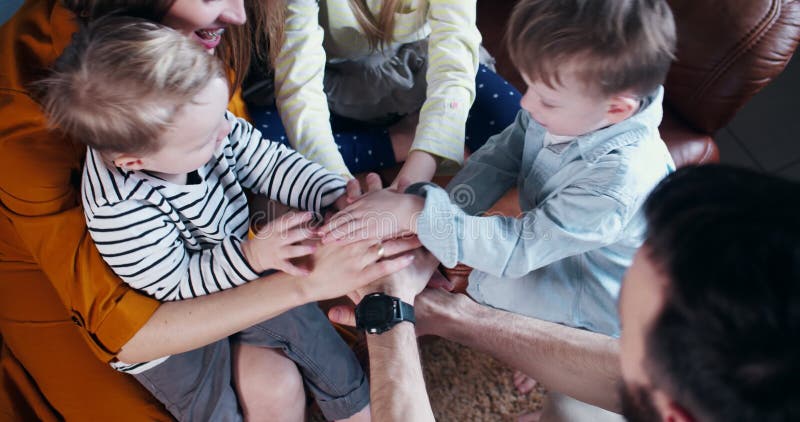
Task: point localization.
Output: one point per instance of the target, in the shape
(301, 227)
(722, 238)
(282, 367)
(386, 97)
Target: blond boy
(163, 193)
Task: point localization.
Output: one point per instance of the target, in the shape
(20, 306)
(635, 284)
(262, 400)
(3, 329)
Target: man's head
(587, 63)
(711, 306)
(140, 93)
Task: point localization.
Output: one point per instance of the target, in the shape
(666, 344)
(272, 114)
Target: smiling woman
(64, 315)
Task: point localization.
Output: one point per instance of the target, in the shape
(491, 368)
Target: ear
(128, 162)
(620, 107)
(670, 410)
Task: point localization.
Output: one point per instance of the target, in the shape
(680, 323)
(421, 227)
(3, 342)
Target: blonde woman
(363, 84)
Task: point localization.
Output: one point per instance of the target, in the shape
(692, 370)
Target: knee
(274, 389)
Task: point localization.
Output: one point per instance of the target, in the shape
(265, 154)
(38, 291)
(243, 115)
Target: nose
(528, 101)
(234, 12)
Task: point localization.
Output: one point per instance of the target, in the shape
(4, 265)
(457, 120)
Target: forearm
(578, 363)
(177, 327)
(397, 387)
(419, 167)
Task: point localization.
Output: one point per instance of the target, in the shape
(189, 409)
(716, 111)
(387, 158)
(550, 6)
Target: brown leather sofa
(728, 50)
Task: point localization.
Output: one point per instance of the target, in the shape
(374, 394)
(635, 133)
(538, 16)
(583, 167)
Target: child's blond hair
(118, 86)
(613, 46)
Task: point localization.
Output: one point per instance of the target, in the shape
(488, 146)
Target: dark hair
(614, 45)
(726, 346)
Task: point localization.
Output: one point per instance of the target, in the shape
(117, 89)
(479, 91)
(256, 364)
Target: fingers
(341, 226)
(403, 183)
(293, 219)
(353, 190)
(374, 182)
(439, 281)
(292, 269)
(293, 236)
(387, 266)
(395, 246)
(296, 251)
(342, 314)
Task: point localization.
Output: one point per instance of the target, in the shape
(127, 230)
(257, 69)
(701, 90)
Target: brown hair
(120, 83)
(264, 27)
(379, 29)
(613, 45)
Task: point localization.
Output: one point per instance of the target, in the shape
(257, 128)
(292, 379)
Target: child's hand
(378, 215)
(352, 194)
(275, 244)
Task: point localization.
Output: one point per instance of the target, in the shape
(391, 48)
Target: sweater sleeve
(280, 173)
(144, 247)
(453, 61)
(299, 94)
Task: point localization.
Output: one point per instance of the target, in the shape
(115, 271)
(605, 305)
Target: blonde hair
(379, 29)
(120, 83)
(614, 45)
(264, 27)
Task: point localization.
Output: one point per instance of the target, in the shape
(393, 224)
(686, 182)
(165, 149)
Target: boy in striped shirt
(163, 193)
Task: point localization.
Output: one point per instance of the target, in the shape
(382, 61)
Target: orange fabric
(63, 313)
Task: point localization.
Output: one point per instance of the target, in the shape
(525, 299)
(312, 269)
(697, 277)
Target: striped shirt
(452, 62)
(176, 242)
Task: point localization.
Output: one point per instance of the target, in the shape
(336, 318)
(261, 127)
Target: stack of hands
(371, 237)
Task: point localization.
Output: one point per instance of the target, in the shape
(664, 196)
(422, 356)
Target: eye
(547, 105)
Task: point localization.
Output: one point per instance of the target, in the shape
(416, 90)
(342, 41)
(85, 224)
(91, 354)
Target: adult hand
(378, 214)
(405, 284)
(341, 268)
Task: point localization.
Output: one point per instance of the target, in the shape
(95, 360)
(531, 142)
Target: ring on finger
(381, 250)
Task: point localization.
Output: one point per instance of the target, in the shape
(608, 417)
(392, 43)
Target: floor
(765, 134)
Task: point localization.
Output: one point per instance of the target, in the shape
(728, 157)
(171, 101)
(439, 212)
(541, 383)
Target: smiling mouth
(208, 35)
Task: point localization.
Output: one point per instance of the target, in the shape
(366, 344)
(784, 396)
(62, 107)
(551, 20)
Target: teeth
(210, 35)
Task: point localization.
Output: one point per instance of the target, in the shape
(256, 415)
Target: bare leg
(267, 384)
(362, 416)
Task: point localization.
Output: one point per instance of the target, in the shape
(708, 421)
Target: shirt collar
(596, 144)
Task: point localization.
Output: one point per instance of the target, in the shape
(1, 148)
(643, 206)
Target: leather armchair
(727, 51)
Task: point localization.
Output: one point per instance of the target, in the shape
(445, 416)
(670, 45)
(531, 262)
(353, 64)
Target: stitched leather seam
(745, 44)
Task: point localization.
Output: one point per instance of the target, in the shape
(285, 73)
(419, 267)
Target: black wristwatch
(378, 313)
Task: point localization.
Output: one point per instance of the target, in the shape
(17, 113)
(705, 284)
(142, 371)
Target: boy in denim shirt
(585, 151)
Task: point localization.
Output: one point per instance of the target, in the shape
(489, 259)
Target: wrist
(404, 294)
(251, 256)
(416, 205)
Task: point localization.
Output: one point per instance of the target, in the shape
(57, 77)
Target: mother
(63, 314)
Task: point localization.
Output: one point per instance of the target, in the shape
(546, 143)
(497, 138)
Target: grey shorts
(196, 385)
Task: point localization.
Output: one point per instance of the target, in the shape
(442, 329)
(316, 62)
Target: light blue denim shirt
(564, 257)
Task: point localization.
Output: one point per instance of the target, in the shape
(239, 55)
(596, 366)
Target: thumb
(403, 183)
(343, 314)
(438, 280)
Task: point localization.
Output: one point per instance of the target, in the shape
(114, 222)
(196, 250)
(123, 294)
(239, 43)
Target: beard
(637, 404)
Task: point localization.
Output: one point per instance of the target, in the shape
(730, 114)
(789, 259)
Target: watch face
(375, 311)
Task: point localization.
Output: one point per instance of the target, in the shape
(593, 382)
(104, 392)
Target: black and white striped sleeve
(281, 173)
(144, 247)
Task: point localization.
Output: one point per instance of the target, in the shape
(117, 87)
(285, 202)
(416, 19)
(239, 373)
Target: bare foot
(524, 383)
(530, 417)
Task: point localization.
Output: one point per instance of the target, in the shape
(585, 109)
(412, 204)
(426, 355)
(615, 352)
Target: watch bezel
(392, 313)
